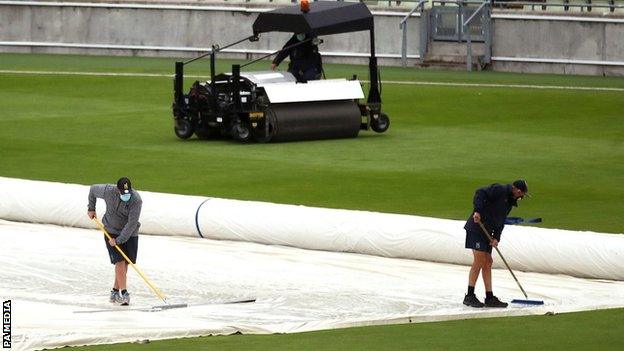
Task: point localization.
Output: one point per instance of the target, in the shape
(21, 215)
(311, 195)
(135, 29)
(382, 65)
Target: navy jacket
(494, 203)
(302, 57)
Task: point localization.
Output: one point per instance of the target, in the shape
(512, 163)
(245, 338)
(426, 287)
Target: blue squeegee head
(528, 302)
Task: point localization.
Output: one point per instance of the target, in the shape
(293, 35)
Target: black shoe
(494, 302)
(472, 301)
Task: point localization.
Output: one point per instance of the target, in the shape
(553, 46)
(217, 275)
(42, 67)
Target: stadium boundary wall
(558, 44)
(520, 43)
(176, 31)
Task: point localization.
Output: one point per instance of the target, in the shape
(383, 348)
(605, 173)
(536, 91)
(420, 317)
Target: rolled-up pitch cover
(529, 249)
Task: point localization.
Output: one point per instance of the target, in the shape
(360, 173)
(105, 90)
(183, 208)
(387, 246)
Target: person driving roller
(305, 59)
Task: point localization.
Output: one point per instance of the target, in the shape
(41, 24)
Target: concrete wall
(190, 27)
(589, 45)
(182, 31)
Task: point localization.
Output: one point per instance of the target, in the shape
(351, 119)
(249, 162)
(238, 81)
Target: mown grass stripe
(448, 84)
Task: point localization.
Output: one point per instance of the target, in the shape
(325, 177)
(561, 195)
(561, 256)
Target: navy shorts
(477, 241)
(130, 248)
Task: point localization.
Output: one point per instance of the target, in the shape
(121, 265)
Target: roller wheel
(381, 124)
(183, 128)
(241, 131)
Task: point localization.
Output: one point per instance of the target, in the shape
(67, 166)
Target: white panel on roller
(261, 78)
(319, 90)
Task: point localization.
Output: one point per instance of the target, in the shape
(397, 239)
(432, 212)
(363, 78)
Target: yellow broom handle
(156, 291)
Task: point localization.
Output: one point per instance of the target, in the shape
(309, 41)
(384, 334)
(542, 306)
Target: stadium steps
(452, 55)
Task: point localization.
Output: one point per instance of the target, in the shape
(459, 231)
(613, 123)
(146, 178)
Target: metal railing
(447, 21)
(545, 5)
(403, 27)
(468, 35)
(566, 5)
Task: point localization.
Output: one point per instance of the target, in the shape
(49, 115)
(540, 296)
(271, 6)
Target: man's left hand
(494, 243)
(112, 242)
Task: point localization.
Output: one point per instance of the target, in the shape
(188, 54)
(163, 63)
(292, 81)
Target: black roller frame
(178, 83)
(360, 21)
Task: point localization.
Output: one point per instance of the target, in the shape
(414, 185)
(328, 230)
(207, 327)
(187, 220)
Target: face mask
(125, 197)
(300, 37)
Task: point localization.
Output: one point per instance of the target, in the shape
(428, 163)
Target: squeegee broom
(526, 301)
(167, 305)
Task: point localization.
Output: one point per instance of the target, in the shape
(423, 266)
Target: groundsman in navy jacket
(492, 203)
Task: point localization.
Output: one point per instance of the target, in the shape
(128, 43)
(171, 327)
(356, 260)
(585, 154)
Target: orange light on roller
(305, 6)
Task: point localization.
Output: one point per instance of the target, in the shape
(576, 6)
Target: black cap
(522, 185)
(124, 185)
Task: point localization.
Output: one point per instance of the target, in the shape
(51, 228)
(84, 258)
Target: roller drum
(314, 120)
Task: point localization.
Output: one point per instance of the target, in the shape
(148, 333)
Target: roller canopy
(324, 18)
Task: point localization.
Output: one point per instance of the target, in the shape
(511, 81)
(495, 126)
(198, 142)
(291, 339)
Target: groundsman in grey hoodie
(121, 220)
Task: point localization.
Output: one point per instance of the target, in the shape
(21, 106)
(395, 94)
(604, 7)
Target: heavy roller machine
(273, 106)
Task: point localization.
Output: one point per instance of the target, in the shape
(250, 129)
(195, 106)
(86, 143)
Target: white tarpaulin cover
(56, 276)
(581, 254)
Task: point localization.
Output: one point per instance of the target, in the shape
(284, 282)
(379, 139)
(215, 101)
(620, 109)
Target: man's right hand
(273, 67)
(476, 217)
(91, 214)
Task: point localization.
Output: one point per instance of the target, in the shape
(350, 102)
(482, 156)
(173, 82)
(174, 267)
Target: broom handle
(156, 291)
(501, 256)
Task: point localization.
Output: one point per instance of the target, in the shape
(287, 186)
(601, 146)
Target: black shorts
(477, 241)
(130, 248)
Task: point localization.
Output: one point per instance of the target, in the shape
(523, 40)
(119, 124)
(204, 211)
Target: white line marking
(446, 84)
(103, 74)
(493, 85)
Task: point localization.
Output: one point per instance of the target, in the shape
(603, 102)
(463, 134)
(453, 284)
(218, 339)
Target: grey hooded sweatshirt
(121, 218)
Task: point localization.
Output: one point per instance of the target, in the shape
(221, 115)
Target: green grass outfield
(596, 330)
(443, 143)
